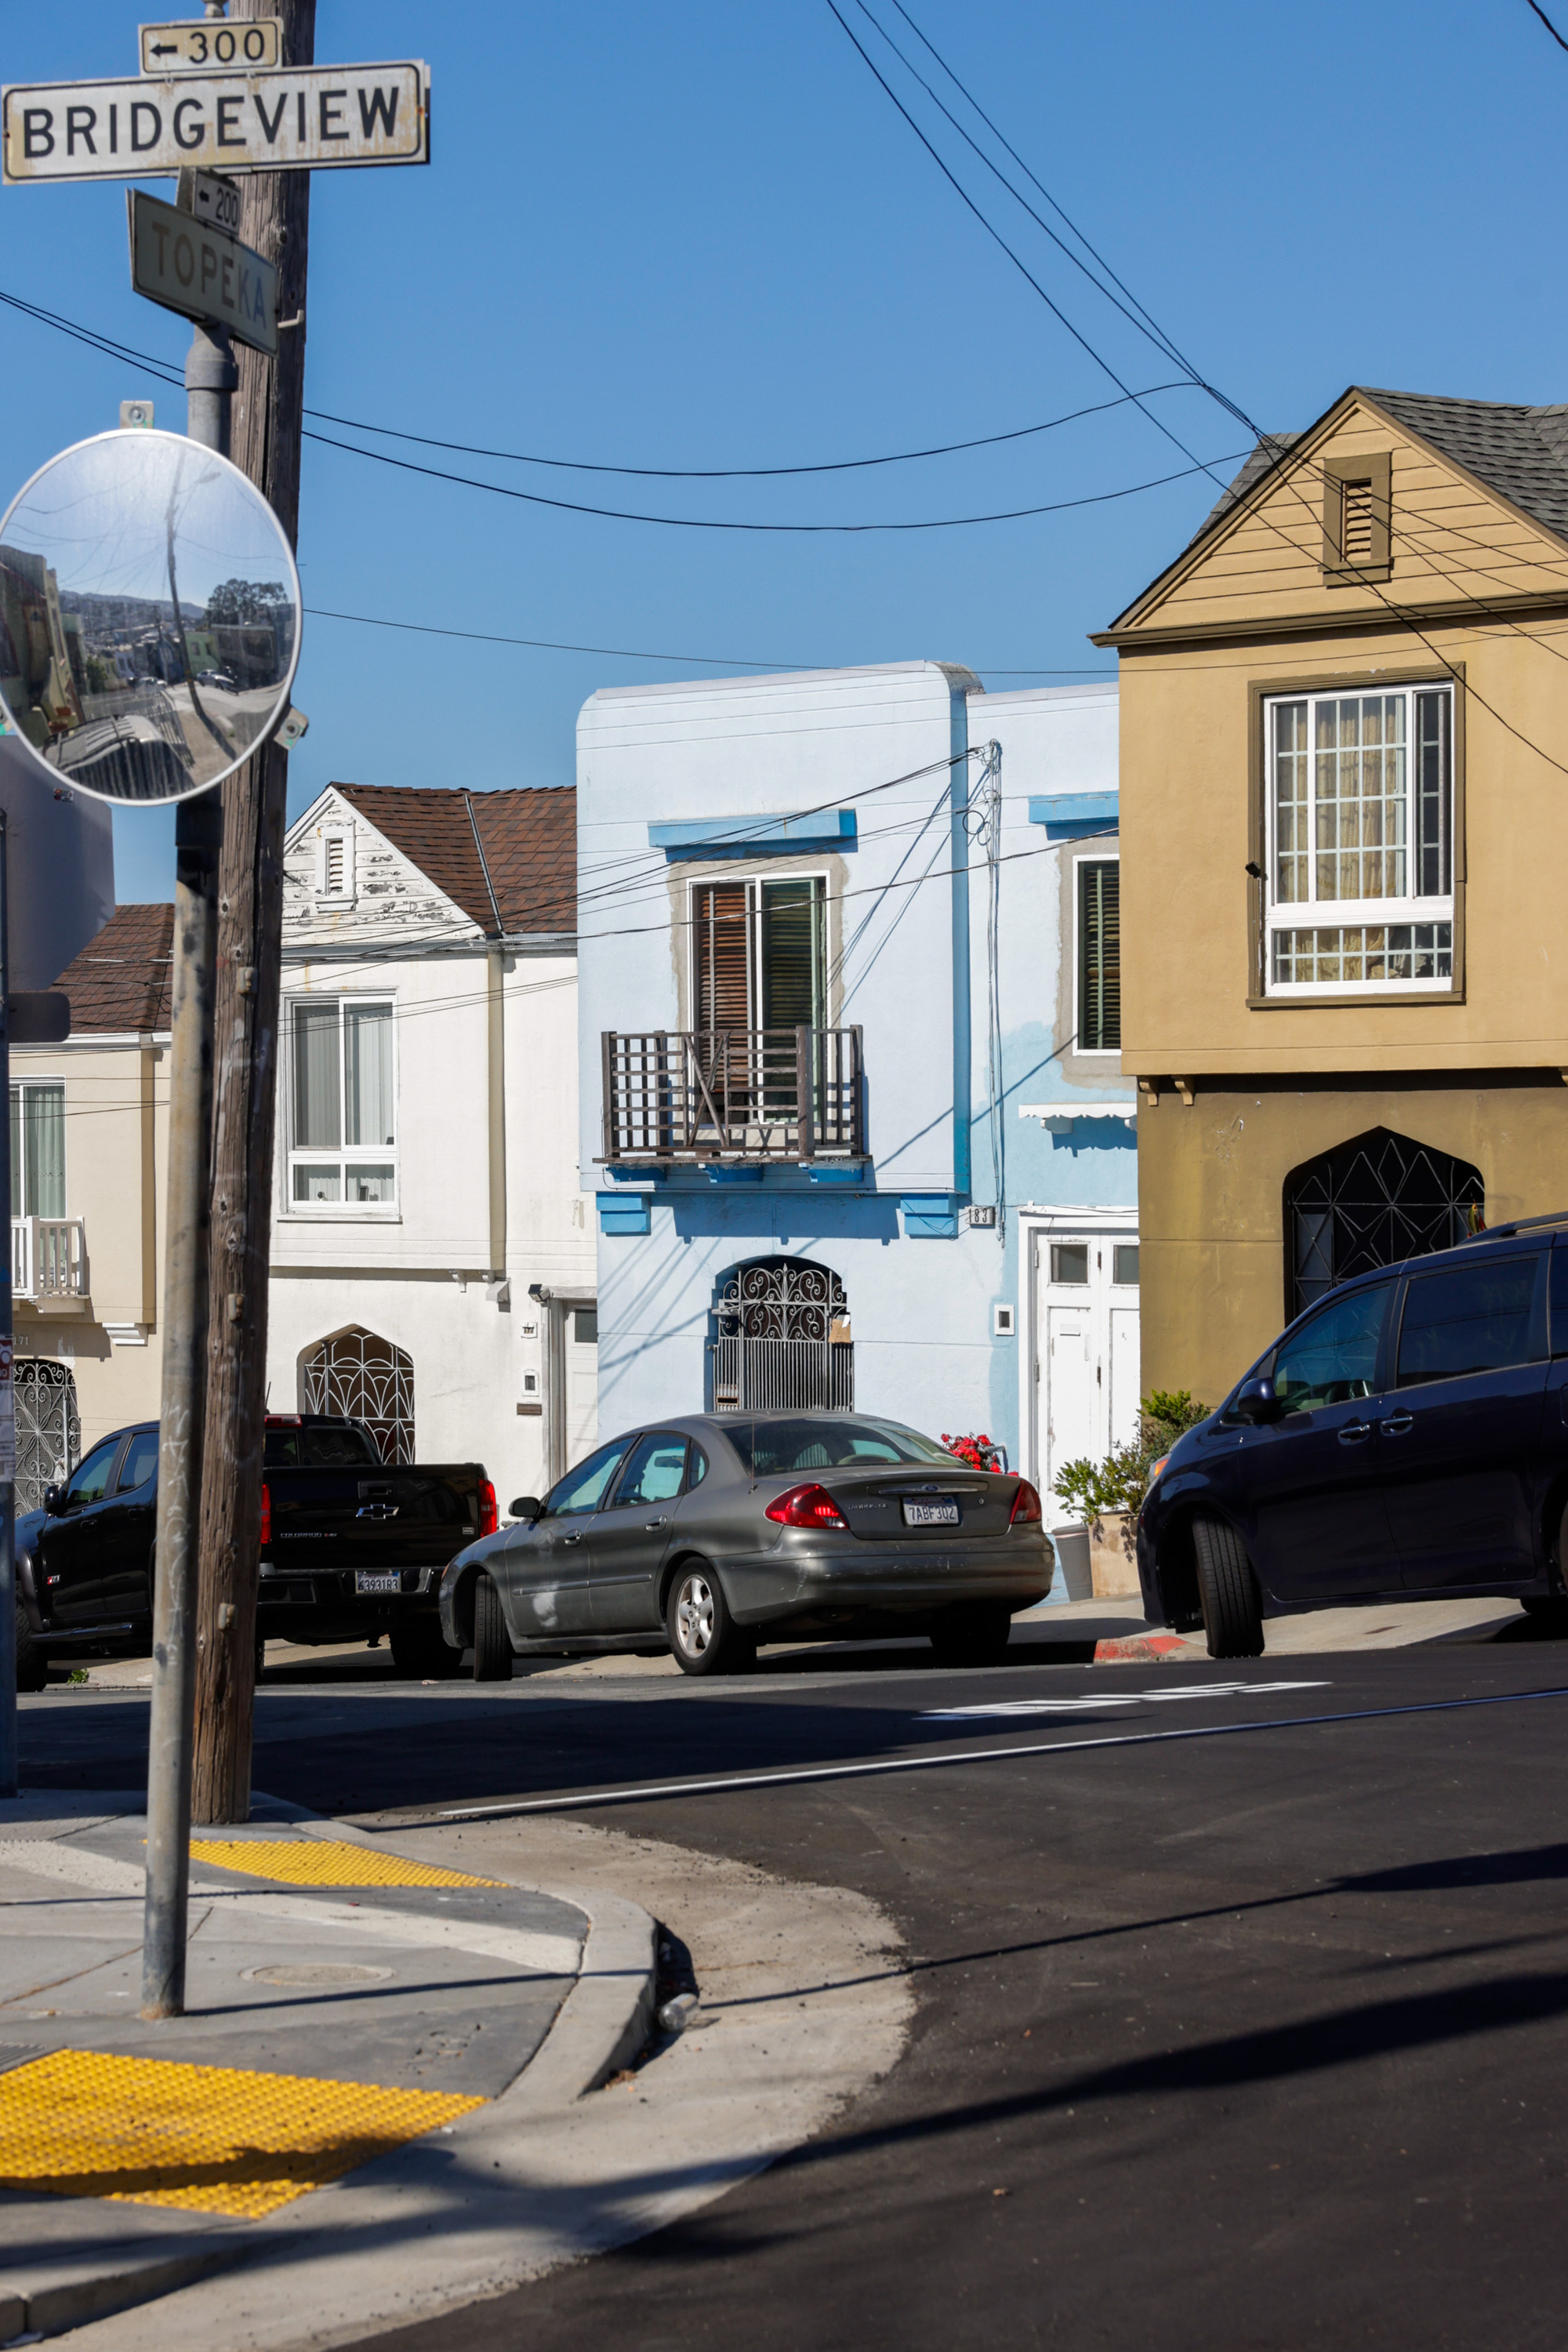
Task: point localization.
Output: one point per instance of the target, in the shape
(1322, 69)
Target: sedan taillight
(488, 1520)
(1026, 1511)
(265, 1512)
(806, 1507)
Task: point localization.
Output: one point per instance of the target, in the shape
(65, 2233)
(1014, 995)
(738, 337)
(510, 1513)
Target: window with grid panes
(1360, 890)
(342, 1124)
(1099, 955)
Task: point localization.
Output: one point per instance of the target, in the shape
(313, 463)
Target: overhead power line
(1548, 23)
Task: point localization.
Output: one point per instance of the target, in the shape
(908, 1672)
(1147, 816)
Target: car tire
(704, 1639)
(420, 1647)
(973, 1633)
(492, 1642)
(32, 1666)
(1227, 1591)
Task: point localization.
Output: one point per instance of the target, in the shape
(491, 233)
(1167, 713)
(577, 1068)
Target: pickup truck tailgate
(336, 1518)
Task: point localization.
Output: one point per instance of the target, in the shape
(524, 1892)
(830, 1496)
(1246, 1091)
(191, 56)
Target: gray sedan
(713, 1533)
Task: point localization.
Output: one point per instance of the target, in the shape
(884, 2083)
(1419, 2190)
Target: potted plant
(1109, 1495)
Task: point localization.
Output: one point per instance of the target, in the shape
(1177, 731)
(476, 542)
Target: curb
(602, 2022)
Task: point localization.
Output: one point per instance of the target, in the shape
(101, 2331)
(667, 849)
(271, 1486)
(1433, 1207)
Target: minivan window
(1469, 1319)
(1332, 1360)
(141, 1460)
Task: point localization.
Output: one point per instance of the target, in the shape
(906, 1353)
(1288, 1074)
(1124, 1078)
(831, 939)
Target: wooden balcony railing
(733, 1094)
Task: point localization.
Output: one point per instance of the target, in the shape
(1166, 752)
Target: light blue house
(852, 1099)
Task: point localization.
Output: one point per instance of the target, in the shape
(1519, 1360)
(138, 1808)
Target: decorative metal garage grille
(783, 1343)
(364, 1378)
(48, 1427)
(1370, 1203)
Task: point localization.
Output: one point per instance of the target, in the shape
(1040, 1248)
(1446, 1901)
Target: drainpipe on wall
(495, 1040)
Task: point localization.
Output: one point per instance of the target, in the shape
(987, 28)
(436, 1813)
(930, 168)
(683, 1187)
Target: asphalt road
(1243, 2003)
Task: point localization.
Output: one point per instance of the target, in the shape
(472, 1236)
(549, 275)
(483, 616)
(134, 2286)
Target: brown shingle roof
(528, 840)
(119, 982)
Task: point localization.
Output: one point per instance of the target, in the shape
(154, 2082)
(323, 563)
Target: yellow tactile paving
(148, 2131)
(321, 1861)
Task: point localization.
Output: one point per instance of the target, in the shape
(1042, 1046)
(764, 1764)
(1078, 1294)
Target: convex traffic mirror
(149, 617)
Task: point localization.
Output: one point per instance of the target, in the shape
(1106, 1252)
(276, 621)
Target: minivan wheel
(1227, 1591)
(492, 1642)
(703, 1636)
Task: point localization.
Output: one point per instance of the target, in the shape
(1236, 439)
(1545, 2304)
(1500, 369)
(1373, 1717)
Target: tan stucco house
(1344, 820)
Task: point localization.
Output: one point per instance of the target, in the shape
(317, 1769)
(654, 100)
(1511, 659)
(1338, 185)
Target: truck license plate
(367, 1579)
(943, 1514)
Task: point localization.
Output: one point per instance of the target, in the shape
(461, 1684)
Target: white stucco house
(433, 1255)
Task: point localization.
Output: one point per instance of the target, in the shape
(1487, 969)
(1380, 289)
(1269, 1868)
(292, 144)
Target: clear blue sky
(696, 234)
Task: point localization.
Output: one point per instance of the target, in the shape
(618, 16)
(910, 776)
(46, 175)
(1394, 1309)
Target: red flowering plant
(978, 1452)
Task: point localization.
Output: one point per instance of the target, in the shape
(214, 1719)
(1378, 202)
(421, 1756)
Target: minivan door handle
(1397, 1423)
(1354, 1432)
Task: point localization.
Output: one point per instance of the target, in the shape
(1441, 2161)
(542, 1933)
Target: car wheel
(703, 1636)
(32, 1666)
(420, 1647)
(975, 1634)
(1227, 1591)
(492, 1642)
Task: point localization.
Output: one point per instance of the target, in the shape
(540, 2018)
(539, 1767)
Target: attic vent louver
(1358, 523)
(335, 873)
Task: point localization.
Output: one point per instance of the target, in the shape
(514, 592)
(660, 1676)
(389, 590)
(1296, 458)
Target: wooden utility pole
(269, 410)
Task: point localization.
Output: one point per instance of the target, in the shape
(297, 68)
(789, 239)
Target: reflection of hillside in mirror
(147, 617)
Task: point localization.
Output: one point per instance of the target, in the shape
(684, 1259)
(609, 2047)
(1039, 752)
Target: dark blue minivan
(1406, 1437)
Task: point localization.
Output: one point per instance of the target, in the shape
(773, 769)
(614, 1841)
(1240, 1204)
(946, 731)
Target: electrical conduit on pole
(198, 840)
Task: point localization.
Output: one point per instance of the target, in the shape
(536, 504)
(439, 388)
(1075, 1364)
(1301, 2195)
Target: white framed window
(38, 1147)
(1097, 958)
(342, 1104)
(1360, 887)
(335, 862)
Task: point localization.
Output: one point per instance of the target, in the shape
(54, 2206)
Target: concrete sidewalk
(1119, 1631)
(353, 2010)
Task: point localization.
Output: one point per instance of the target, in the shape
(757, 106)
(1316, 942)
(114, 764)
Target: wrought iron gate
(1370, 1203)
(48, 1427)
(364, 1378)
(782, 1341)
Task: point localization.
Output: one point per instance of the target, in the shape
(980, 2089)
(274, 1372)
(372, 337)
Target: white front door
(1086, 1349)
(582, 1382)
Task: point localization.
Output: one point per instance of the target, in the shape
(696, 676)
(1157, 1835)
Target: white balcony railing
(49, 1257)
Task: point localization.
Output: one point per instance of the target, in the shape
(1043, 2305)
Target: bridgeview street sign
(212, 47)
(203, 272)
(311, 118)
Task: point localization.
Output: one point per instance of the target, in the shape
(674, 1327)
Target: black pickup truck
(349, 1547)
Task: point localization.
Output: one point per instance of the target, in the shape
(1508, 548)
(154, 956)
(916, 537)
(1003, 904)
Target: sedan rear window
(819, 1442)
(323, 1446)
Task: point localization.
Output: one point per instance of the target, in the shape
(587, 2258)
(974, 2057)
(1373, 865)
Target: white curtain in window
(46, 1125)
(318, 1118)
(39, 1151)
(368, 1040)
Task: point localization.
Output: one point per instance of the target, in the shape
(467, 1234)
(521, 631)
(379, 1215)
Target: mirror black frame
(526, 1506)
(1255, 1403)
(54, 1501)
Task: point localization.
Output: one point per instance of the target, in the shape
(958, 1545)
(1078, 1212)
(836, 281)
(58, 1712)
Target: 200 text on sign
(306, 120)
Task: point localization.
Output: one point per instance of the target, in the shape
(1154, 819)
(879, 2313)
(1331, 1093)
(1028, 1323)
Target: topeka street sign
(310, 119)
(201, 271)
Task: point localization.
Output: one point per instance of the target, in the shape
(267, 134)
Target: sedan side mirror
(526, 1506)
(54, 1500)
(1255, 1401)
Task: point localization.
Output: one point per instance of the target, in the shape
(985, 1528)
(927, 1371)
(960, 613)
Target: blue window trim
(755, 836)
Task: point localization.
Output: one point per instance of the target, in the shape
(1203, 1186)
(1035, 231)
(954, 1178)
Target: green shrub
(1120, 1482)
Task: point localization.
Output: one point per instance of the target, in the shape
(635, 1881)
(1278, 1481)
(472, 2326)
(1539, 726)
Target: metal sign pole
(7, 1394)
(210, 374)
